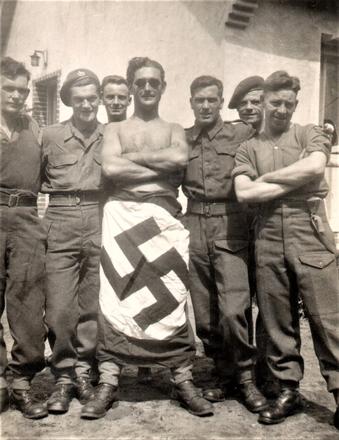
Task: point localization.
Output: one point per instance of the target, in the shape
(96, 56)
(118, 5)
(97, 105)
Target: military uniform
(23, 243)
(295, 252)
(218, 248)
(72, 167)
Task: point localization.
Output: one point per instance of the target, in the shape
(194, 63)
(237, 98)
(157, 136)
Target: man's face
(148, 86)
(116, 99)
(14, 93)
(85, 102)
(250, 108)
(279, 108)
(206, 104)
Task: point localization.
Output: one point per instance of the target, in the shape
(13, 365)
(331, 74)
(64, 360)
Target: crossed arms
(142, 166)
(275, 184)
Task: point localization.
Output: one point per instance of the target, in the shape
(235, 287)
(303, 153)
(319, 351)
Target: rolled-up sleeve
(244, 163)
(317, 141)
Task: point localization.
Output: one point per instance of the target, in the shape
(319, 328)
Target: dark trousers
(22, 254)
(72, 287)
(220, 291)
(297, 254)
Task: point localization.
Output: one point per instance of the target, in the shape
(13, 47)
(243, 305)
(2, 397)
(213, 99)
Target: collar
(210, 131)
(21, 122)
(72, 131)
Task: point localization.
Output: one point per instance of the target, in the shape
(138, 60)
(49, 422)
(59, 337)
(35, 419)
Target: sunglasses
(153, 82)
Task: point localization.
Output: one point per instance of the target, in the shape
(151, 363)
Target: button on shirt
(20, 157)
(211, 160)
(71, 161)
(261, 155)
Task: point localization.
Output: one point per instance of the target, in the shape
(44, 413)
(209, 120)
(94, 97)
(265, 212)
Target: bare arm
(300, 172)
(253, 191)
(166, 160)
(117, 167)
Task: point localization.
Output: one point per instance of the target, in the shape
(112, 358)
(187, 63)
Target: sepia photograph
(169, 220)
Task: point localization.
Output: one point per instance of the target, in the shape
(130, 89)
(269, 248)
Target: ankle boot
(22, 400)
(191, 399)
(104, 397)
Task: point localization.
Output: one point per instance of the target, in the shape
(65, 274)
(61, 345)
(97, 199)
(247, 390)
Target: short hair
(281, 80)
(113, 79)
(206, 81)
(137, 63)
(12, 68)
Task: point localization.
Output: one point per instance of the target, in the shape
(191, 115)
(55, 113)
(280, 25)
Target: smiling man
(115, 97)
(72, 158)
(282, 169)
(246, 99)
(143, 290)
(219, 244)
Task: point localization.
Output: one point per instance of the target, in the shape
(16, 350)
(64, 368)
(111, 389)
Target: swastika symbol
(145, 274)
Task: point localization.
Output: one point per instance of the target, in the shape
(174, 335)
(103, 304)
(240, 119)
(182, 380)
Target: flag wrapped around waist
(143, 286)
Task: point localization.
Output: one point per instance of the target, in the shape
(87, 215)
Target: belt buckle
(207, 210)
(77, 198)
(13, 200)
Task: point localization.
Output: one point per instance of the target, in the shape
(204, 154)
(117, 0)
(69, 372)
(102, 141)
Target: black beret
(82, 76)
(245, 86)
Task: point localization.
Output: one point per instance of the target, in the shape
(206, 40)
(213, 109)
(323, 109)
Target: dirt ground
(149, 412)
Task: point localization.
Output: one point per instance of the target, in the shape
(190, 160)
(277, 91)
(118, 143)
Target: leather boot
(285, 405)
(219, 391)
(104, 397)
(191, 399)
(251, 397)
(21, 400)
(60, 399)
(4, 400)
(84, 389)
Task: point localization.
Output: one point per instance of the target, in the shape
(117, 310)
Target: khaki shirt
(71, 162)
(260, 155)
(211, 160)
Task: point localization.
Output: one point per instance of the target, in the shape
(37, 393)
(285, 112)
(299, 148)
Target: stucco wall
(280, 37)
(104, 35)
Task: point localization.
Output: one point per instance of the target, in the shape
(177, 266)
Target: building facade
(229, 39)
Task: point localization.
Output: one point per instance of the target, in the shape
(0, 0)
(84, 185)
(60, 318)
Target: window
(46, 112)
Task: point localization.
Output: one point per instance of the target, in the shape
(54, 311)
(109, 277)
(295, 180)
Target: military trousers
(22, 254)
(295, 253)
(72, 287)
(219, 288)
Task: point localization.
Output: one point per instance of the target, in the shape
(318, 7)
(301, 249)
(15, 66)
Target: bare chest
(145, 137)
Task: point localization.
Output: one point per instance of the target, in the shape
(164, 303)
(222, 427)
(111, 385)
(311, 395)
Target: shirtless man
(144, 259)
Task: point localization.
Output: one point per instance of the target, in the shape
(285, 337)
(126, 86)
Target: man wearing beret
(282, 169)
(219, 244)
(247, 100)
(23, 242)
(72, 179)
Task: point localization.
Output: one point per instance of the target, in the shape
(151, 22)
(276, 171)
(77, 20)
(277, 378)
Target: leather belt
(74, 198)
(210, 209)
(13, 200)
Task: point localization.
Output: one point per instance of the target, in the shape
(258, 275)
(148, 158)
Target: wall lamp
(35, 58)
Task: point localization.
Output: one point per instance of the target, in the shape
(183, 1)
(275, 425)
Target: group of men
(113, 203)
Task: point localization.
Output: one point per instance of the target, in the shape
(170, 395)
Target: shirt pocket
(225, 159)
(61, 168)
